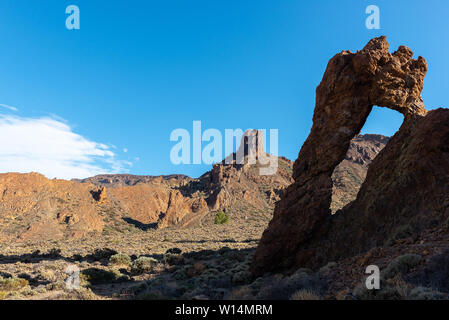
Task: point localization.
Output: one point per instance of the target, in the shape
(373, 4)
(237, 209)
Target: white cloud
(8, 107)
(49, 146)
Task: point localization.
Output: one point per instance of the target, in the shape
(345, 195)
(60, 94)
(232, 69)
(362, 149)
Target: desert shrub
(327, 268)
(423, 293)
(2, 295)
(99, 276)
(210, 273)
(12, 284)
(173, 259)
(143, 264)
(57, 285)
(392, 289)
(435, 274)
(180, 274)
(401, 232)
(54, 253)
(120, 259)
(79, 294)
(276, 288)
(198, 269)
(221, 218)
(401, 264)
(241, 293)
(241, 277)
(385, 292)
(237, 255)
(401, 286)
(105, 253)
(305, 295)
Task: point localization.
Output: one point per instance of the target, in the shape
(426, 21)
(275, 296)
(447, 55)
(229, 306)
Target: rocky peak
(251, 150)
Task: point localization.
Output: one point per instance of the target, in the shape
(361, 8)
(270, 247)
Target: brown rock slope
(34, 208)
(407, 182)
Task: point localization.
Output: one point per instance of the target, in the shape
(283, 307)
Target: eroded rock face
(352, 84)
(33, 207)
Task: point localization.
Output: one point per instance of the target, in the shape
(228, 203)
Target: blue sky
(136, 70)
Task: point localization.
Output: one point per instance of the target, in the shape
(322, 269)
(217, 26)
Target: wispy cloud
(49, 146)
(8, 107)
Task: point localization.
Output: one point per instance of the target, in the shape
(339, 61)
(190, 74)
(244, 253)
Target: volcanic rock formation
(408, 180)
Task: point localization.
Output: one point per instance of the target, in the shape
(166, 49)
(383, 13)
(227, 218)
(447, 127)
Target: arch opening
(349, 175)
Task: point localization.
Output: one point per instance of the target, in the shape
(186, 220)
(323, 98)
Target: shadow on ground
(140, 225)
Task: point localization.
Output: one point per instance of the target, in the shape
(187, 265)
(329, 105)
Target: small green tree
(221, 218)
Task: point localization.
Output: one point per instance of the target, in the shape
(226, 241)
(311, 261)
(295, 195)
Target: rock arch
(352, 84)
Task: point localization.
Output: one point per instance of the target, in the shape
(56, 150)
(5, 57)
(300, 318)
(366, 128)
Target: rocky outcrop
(237, 184)
(352, 84)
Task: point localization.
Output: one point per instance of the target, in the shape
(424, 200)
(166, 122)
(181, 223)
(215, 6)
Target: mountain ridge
(33, 207)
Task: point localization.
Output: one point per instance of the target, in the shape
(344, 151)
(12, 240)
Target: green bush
(221, 218)
(12, 284)
(401, 264)
(120, 259)
(99, 276)
(173, 259)
(143, 264)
